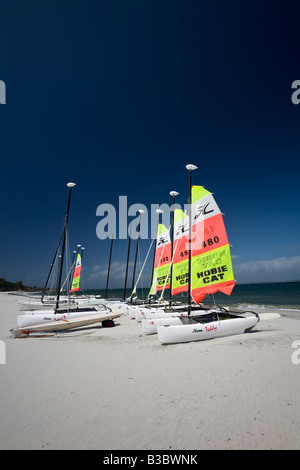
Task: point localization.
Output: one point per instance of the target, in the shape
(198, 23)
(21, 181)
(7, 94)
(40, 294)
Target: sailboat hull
(45, 317)
(64, 324)
(149, 326)
(169, 334)
(37, 305)
(159, 314)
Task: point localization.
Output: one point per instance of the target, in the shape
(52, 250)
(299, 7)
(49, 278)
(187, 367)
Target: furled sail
(162, 260)
(180, 275)
(76, 277)
(211, 260)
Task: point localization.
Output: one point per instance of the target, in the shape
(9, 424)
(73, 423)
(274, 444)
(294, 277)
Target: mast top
(70, 185)
(173, 193)
(191, 167)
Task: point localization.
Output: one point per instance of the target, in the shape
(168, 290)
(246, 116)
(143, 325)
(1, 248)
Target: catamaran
(170, 257)
(39, 317)
(204, 268)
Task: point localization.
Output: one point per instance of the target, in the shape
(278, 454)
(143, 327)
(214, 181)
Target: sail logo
(182, 229)
(2, 92)
(213, 274)
(2, 353)
(182, 278)
(162, 241)
(202, 210)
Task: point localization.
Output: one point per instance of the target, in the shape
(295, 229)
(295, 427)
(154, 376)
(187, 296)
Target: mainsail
(180, 273)
(162, 260)
(211, 260)
(76, 277)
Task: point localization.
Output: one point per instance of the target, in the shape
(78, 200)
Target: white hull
(149, 326)
(46, 317)
(154, 319)
(164, 312)
(34, 317)
(95, 301)
(63, 324)
(143, 313)
(37, 305)
(203, 331)
(136, 311)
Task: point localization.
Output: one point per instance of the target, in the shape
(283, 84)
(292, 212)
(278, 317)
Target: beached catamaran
(204, 269)
(62, 317)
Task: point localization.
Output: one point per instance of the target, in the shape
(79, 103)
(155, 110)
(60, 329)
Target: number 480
(209, 242)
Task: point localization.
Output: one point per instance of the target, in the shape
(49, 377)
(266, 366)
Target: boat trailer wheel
(108, 323)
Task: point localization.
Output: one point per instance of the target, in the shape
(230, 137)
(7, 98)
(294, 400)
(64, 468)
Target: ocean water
(275, 295)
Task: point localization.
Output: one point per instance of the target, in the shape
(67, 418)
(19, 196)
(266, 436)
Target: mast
(81, 271)
(109, 263)
(190, 168)
(136, 251)
(126, 274)
(70, 186)
(173, 194)
(52, 264)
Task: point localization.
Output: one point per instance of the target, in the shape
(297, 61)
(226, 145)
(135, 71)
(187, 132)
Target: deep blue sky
(119, 96)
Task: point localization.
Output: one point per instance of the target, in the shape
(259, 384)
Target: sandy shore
(118, 389)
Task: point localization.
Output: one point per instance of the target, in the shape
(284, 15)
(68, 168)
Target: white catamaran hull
(140, 314)
(149, 326)
(163, 312)
(63, 324)
(202, 331)
(37, 305)
(39, 316)
(155, 319)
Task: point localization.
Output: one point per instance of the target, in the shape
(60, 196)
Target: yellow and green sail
(162, 261)
(180, 272)
(211, 260)
(76, 277)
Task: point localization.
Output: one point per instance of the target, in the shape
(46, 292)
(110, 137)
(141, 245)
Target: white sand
(118, 389)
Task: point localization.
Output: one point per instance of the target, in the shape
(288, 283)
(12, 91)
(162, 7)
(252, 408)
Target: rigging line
(134, 289)
(67, 256)
(68, 275)
(162, 292)
(139, 263)
(142, 287)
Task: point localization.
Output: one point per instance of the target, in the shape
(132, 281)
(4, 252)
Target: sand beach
(118, 389)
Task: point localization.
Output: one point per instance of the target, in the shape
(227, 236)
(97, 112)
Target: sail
(162, 260)
(180, 275)
(211, 260)
(76, 277)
